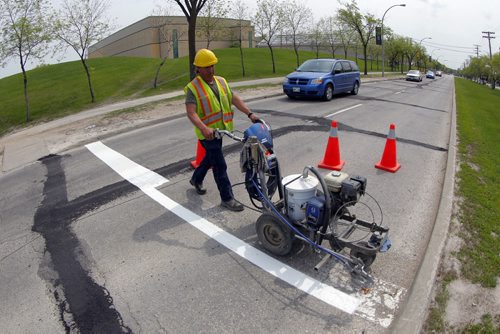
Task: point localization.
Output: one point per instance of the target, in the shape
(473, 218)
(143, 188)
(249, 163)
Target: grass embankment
(62, 89)
(479, 153)
(478, 127)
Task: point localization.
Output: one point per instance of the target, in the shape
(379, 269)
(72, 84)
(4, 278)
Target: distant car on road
(414, 75)
(439, 73)
(430, 75)
(323, 78)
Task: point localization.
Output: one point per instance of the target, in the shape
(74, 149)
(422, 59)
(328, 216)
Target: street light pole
(420, 43)
(420, 48)
(382, 36)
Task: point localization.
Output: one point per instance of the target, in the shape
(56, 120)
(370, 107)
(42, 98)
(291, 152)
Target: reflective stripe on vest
(202, 96)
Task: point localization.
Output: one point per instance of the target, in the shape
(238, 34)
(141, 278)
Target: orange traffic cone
(389, 161)
(332, 153)
(200, 154)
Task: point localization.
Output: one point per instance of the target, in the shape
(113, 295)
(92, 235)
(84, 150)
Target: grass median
(477, 192)
(478, 122)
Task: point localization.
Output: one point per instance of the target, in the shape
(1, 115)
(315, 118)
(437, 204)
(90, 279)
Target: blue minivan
(323, 78)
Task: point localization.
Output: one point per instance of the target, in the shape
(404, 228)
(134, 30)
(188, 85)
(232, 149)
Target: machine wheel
(367, 259)
(274, 235)
(290, 96)
(355, 89)
(328, 92)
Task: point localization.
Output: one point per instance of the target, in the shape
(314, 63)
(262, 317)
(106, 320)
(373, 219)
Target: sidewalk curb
(414, 312)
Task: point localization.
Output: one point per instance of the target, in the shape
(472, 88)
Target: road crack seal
(90, 305)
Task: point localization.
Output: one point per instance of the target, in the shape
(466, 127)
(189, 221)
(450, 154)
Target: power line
(444, 45)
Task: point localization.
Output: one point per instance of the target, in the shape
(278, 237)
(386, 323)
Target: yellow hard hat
(205, 58)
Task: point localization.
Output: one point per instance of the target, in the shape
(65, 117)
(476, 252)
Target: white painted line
(341, 111)
(126, 168)
(301, 281)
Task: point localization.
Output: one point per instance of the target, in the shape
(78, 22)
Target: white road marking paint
(324, 292)
(126, 168)
(343, 110)
(378, 305)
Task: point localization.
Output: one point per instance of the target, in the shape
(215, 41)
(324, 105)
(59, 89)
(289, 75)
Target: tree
(495, 64)
(167, 35)
(412, 51)
(345, 33)
(364, 25)
(191, 8)
(328, 29)
(316, 36)
(79, 24)
(211, 18)
(394, 50)
(268, 22)
(239, 12)
(25, 34)
(295, 17)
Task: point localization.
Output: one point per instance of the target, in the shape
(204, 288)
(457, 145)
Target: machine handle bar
(219, 133)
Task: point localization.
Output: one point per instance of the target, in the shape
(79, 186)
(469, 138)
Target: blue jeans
(215, 159)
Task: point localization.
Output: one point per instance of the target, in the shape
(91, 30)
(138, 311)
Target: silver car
(414, 75)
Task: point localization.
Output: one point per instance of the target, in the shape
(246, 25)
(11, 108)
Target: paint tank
(298, 191)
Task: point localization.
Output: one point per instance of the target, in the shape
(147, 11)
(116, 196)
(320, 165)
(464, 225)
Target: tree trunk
(295, 48)
(155, 84)
(26, 97)
(272, 58)
(88, 79)
(365, 55)
(242, 62)
(192, 43)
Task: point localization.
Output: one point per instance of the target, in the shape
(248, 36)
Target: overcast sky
(455, 26)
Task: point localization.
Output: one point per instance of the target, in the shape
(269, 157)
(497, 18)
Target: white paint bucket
(298, 193)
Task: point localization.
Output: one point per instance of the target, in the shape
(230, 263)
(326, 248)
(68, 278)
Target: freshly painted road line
(128, 169)
(303, 282)
(343, 110)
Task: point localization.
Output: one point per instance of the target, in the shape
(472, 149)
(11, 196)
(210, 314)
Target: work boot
(199, 187)
(232, 205)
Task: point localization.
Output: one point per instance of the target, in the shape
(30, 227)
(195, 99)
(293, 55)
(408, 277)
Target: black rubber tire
(355, 89)
(290, 96)
(367, 259)
(274, 235)
(328, 95)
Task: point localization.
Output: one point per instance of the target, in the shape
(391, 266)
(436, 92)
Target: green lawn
(62, 89)
(478, 120)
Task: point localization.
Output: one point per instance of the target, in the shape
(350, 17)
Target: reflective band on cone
(389, 160)
(332, 159)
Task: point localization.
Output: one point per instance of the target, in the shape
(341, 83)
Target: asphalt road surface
(111, 237)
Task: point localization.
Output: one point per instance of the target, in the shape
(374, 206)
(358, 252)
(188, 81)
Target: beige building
(160, 36)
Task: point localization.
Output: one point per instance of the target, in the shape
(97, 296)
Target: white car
(414, 75)
(439, 73)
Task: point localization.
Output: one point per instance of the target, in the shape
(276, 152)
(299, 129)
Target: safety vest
(214, 113)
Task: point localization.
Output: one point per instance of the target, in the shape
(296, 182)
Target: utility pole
(489, 37)
(476, 46)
